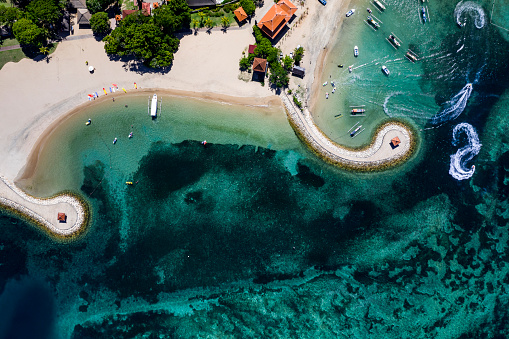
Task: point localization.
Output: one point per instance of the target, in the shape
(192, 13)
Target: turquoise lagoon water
(254, 237)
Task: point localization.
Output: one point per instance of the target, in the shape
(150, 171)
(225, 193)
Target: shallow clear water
(253, 236)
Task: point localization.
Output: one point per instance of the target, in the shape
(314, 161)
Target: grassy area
(17, 54)
(216, 19)
(8, 42)
(128, 5)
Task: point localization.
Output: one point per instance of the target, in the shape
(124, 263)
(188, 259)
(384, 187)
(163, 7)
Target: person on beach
(86, 63)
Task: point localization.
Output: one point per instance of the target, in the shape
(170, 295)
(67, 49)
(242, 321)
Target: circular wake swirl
(474, 9)
(454, 107)
(458, 169)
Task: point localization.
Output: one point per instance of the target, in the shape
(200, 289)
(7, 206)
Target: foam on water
(473, 9)
(458, 169)
(454, 107)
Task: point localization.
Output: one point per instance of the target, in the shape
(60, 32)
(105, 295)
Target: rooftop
(276, 18)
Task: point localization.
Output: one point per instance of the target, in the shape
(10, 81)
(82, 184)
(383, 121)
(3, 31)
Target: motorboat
(355, 131)
(128, 182)
(350, 12)
(327, 95)
(358, 111)
(323, 2)
(340, 66)
(369, 10)
(334, 90)
(114, 141)
(423, 10)
(393, 40)
(350, 69)
(373, 22)
(130, 135)
(385, 70)
(379, 4)
(411, 56)
(88, 122)
(153, 106)
(356, 51)
(461, 24)
(325, 83)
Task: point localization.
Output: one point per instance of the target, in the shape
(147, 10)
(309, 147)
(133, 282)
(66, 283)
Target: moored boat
(423, 10)
(369, 10)
(358, 111)
(394, 41)
(350, 69)
(130, 135)
(114, 141)
(356, 51)
(153, 106)
(373, 22)
(88, 122)
(385, 70)
(379, 4)
(355, 131)
(327, 95)
(350, 12)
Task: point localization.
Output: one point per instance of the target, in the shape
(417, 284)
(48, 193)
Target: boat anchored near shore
(356, 51)
(386, 70)
(154, 106)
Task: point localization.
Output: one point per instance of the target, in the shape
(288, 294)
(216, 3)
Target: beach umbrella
(124, 90)
(90, 68)
(135, 86)
(114, 85)
(91, 95)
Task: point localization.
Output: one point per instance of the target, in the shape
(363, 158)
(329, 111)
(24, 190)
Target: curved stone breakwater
(45, 211)
(377, 156)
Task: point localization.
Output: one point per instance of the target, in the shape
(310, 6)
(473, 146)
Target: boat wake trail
(407, 104)
(473, 8)
(458, 169)
(454, 107)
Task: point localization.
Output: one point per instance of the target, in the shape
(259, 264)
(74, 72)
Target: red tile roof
(251, 49)
(260, 65)
(276, 18)
(240, 14)
(62, 217)
(395, 141)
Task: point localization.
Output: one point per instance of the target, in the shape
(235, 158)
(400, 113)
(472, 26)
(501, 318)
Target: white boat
(334, 90)
(350, 12)
(114, 141)
(356, 51)
(379, 4)
(385, 70)
(325, 83)
(327, 95)
(130, 135)
(350, 69)
(355, 131)
(88, 122)
(153, 106)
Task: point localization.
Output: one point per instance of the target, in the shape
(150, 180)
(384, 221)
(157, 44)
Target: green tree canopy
(288, 63)
(28, 33)
(278, 75)
(44, 12)
(244, 63)
(298, 53)
(95, 6)
(173, 17)
(137, 35)
(248, 6)
(8, 15)
(100, 23)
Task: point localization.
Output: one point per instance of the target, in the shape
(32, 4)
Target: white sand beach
(36, 94)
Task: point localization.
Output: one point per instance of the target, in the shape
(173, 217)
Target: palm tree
(44, 50)
(225, 21)
(196, 23)
(202, 16)
(209, 23)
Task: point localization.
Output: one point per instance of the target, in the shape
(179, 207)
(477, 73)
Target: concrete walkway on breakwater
(380, 153)
(44, 211)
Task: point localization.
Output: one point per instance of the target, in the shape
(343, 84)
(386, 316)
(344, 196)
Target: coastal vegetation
(100, 23)
(150, 39)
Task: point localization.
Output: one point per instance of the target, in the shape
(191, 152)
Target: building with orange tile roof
(276, 18)
(260, 65)
(240, 14)
(395, 141)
